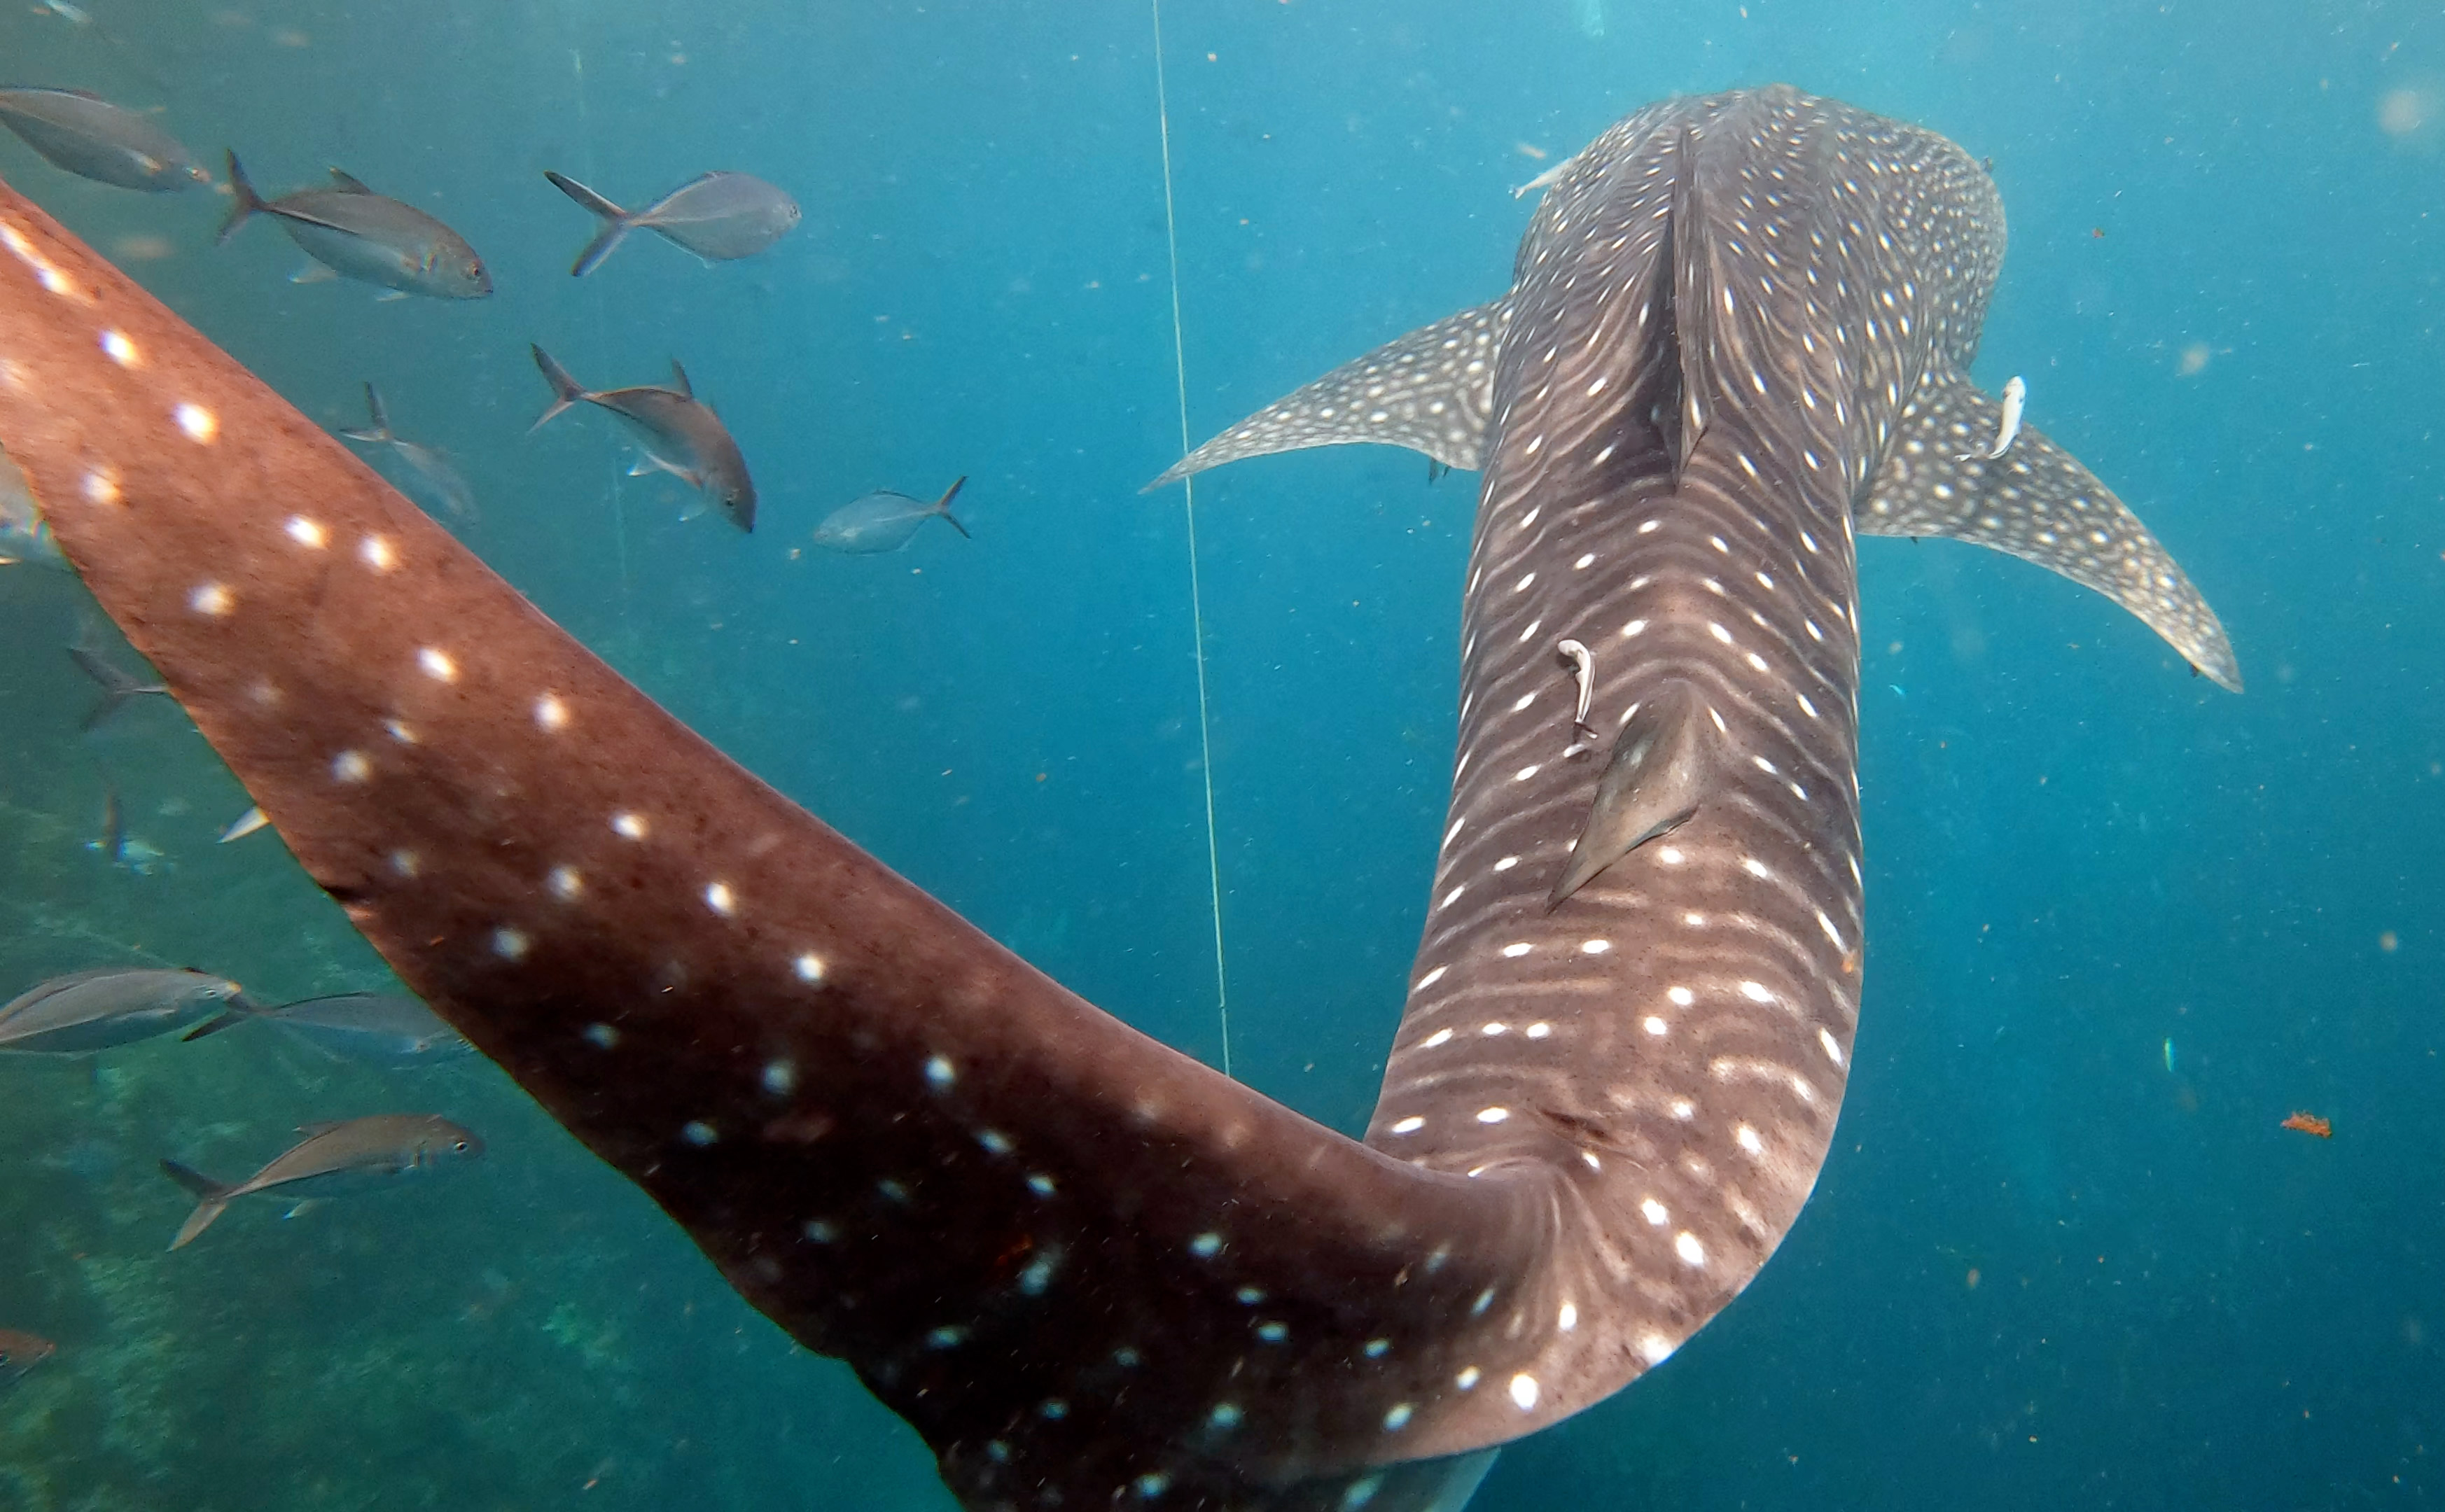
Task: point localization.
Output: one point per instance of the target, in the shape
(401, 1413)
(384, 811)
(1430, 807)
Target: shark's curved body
(1089, 1270)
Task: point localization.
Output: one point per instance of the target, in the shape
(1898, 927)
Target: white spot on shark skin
(808, 968)
(994, 1141)
(1431, 978)
(1398, 1418)
(719, 898)
(1654, 1349)
(1655, 1026)
(437, 666)
(1361, 1491)
(939, 1072)
(1568, 1319)
(510, 945)
(1595, 947)
(1747, 1139)
(1755, 991)
(566, 883)
(198, 424)
(400, 731)
(700, 1134)
(1670, 855)
(1225, 1415)
(1492, 1115)
(1524, 1391)
(602, 1036)
(1494, 1028)
(820, 1231)
(1040, 1185)
(1540, 1031)
(628, 826)
(781, 1077)
(101, 486)
(1518, 949)
(376, 552)
(1506, 863)
(351, 766)
(1273, 1331)
(1410, 1125)
(1686, 1245)
(1440, 1037)
(116, 346)
(211, 600)
(307, 533)
(1466, 1380)
(1206, 1245)
(403, 863)
(1833, 1050)
(551, 714)
(1681, 996)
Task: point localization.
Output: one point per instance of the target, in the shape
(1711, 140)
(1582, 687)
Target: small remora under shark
(1088, 1269)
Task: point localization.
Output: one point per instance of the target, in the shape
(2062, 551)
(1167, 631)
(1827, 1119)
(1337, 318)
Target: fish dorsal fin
(2040, 504)
(347, 183)
(1662, 768)
(678, 381)
(1430, 391)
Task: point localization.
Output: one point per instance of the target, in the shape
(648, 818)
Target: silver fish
(432, 476)
(24, 534)
(373, 238)
(119, 686)
(87, 1011)
(376, 1028)
(884, 521)
(676, 433)
(720, 216)
(333, 1158)
(93, 138)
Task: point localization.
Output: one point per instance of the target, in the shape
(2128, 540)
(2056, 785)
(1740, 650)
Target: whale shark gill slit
(1088, 1269)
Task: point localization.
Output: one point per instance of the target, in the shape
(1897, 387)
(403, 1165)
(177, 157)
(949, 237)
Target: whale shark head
(1086, 1268)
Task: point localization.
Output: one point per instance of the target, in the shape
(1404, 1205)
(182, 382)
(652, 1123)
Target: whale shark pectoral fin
(1661, 769)
(2037, 502)
(1430, 391)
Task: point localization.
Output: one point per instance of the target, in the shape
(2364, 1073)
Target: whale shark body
(1088, 1269)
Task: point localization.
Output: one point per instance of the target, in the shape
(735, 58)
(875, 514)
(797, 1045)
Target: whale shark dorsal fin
(1662, 768)
(1430, 391)
(2037, 502)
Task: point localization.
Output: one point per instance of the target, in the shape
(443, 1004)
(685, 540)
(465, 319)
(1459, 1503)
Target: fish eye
(460, 1146)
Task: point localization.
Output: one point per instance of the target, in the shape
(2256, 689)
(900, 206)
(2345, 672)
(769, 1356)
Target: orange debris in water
(2310, 1124)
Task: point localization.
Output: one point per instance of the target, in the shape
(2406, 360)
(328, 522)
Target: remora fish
(20, 1352)
(434, 474)
(1077, 1262)
(333, 1158)
(673, 434)
(373, 238)
(102, 1010)
(90, 136)
(381, 1029)
(720, 216)
(884, 521)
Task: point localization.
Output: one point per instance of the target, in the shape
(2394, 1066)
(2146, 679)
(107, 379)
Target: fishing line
(594, 305)
(1196, 601)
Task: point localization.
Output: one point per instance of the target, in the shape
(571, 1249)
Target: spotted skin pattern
(1089, 1270)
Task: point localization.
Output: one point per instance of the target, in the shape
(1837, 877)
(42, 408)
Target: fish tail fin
(943, 507)
(212, 1199)
(380, 429)
(116, 687)
(565, 389)
(615, 221)
(247, 203)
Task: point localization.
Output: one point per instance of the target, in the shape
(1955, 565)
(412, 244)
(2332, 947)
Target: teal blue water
(2122, 923)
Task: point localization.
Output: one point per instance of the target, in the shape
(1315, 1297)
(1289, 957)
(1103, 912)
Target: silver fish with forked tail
(93, 138)
(720, 216)
(333, 1158)
(884, 521)
(675, 433)
(435, 480)
(375, 1028)
(87, 1011)
(356, 234)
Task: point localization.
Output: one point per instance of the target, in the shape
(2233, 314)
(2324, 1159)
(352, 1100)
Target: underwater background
(2122, 923)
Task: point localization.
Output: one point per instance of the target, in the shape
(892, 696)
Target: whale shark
(1090, 1270)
